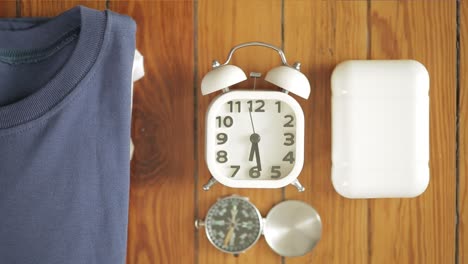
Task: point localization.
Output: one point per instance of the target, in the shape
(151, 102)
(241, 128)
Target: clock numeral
(278, 103)
(259, 108)
(233, 105)
(289, 140)
(290, 122)
(254, 172)
(222, 138)
(275, 172)
(221, 156)
(236, 169)
(289, 157)
(227, 121)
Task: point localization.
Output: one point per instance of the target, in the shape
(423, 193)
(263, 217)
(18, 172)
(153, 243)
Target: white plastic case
(380, 128)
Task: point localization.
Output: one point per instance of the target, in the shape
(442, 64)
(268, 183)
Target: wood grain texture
(463, 136)
(168, 169)
(321, 34)
(420, 230)
(161, 214)
(7, 8)
(222, 25)
(30, 8)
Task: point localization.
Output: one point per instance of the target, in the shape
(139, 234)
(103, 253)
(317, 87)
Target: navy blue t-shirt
(65, 96)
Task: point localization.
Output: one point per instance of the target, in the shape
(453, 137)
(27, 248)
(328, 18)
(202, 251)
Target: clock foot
(298, 185)
(210, 183)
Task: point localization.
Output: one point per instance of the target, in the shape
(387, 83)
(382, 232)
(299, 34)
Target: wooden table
(180, 38)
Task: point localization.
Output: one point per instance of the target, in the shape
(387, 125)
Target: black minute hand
(254, 138)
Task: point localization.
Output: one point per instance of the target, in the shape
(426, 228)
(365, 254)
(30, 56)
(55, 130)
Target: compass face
(233, 225)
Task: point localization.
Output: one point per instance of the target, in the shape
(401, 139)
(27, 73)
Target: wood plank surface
(420, 230)
(462, 249)
(321, 34)
(161, 214)
(222, 25)
(8, 8)
(48, 8)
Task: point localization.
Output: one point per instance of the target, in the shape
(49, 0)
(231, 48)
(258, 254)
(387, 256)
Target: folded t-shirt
(65, 107)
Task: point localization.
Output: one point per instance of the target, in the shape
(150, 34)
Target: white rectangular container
(380, 128)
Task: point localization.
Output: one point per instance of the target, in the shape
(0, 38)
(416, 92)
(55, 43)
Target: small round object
(255, 138)
(292, 228)
(233, 224)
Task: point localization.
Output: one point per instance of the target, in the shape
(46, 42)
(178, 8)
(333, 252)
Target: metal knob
(209, 184)
(199, 223)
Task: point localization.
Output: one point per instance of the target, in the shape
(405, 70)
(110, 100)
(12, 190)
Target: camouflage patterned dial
(233, 224)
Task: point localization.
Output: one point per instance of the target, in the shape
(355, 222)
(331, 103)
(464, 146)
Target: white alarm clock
(255, 138)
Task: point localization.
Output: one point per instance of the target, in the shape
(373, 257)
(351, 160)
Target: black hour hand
(252, 152)
(257, 155)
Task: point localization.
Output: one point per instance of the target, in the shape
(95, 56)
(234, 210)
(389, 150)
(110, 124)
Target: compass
(233, 225)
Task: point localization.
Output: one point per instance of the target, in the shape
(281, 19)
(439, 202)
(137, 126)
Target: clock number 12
(260, 106)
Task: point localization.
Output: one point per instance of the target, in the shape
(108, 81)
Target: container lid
(292, 228)
(380, 129)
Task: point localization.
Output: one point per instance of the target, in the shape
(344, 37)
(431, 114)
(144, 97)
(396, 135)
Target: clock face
(254, 136)
(233, 224)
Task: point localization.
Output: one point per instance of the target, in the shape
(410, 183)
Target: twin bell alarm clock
(255, 138)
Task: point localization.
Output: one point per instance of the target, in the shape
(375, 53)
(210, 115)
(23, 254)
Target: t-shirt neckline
(92, 24)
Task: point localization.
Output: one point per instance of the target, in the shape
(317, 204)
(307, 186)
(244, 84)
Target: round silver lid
(292, 228)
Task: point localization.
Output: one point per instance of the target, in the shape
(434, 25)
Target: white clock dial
(257, 144)
(255, 136)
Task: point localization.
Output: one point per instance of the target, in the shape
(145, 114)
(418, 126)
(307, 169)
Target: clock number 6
(254, 172)
(221, 156)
